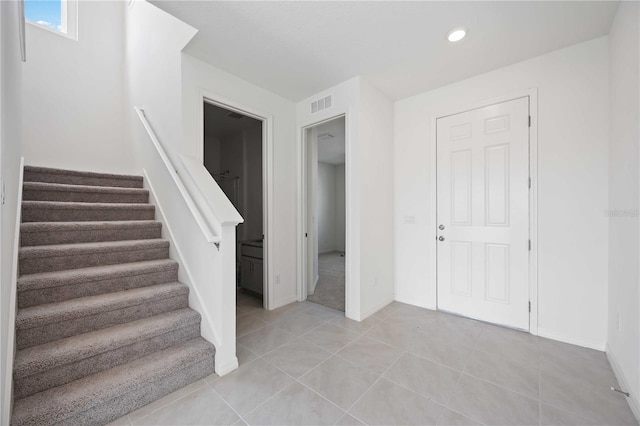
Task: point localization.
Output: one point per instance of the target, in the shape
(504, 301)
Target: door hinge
(529, 245)
(529, 306)
(306, 235)
(529, 121)
(529, 182)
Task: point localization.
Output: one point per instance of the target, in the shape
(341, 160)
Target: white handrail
(202, 223)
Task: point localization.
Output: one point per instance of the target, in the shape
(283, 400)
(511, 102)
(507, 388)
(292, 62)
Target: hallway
(330, 289)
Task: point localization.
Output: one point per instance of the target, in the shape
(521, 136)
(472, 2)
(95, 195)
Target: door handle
(441, 227)
(441, 238)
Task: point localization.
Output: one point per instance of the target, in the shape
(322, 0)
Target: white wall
(369, 212)
(73, 94)
(572, 185)
(341, 214)
(326, 216)
(10, 153)
(624, 187)
(252, 183)
(199, 78)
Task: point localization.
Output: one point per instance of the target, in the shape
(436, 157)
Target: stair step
(110, 394)
(46, 323)
(59, 211)
(51, 287)
(73, 256)
(48, 233)
(74, 177)
(44, 191)
(42, 367)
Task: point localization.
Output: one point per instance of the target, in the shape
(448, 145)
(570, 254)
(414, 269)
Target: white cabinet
(251, 269)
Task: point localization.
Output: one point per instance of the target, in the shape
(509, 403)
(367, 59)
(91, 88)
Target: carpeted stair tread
(48, 233)
(107, 395)
(58, 286)
(37, 316)
(95, 273)
(37, 359)
(75, 177)
(45, 191)
(59, 257)
(61, 211)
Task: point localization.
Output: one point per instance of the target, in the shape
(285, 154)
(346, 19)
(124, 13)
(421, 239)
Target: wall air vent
(321, 104)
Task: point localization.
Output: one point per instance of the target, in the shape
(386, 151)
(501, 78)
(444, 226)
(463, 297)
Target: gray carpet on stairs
(103, 326)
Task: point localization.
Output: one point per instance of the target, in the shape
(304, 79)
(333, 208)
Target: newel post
(226, 360)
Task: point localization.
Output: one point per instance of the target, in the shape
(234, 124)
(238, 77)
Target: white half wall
(573, 135)
(73, 94)
(624, 190)
(10, 153)
(341, 214)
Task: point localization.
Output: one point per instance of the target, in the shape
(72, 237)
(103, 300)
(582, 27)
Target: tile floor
(305, 364)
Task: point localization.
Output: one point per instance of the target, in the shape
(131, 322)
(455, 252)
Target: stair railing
(209, 273)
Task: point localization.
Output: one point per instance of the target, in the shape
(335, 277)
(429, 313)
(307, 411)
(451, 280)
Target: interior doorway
(234, 156)
(325, 213)
(483, 213)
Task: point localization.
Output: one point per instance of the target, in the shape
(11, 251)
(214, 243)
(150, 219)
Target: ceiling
(299, 48)
(331, 150)
(218, 124)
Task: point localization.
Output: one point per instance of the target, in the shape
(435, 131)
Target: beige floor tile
(451, 418)
(248, 387)
(389, 404)
(493, 405)
(330, 337)
(203, 406)
(425, 377)
(356, 326)
(339, 380)
(297, 323)
(371, 354)
(552, 416)
(295, 405)
(166, 400)
(248, 323)
(581, 393)
(438, 345)
(349, 420)
(504, 372)
(516, 346)
(244, 355)
(297, 357)
(265, 339)
(394, 334)
(211, 378)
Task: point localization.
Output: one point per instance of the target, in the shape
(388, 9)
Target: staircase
(103, 326)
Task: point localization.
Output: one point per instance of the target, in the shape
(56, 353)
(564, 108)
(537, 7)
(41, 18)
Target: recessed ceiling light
(456, 34)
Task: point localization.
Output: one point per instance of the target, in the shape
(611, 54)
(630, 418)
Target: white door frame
(303, 205)
(533, 194)
(267, 172)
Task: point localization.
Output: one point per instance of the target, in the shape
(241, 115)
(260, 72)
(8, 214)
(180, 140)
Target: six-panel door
(483, 213)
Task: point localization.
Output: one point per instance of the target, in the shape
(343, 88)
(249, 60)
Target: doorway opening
(234, 156)
(325, 213)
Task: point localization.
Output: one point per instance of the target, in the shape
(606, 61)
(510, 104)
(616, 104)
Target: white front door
(483, 213)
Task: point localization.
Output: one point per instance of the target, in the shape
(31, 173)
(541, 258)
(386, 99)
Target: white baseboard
(284, 302)
(585, 343)
(413, 303)
(226, 368)
(624, 384)
(365, 315)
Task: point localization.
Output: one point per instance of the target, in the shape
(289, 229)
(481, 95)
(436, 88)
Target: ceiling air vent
(321, 104)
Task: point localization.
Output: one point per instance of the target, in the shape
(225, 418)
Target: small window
(59, 16)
